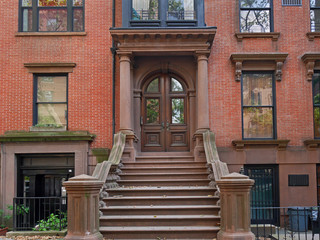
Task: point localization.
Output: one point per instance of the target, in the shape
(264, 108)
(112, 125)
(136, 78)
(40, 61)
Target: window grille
(291, 2)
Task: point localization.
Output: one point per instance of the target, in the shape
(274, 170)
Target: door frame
(165, 127)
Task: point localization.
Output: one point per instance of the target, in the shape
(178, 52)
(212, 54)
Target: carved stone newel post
(83, 208)
(235, 207)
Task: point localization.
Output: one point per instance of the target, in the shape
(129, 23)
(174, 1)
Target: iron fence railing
(31, 213)
(301, 223)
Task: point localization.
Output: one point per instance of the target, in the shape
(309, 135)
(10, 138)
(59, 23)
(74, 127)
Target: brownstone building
(248, 70)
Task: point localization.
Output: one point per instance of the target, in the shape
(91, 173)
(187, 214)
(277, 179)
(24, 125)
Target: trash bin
(298, 219)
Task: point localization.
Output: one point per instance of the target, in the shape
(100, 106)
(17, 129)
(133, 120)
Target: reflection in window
(255, 15)
(315, 15)
(316, 104)
(51, 101)
(145, 10)
(153, 110)
(177, 110)
(181, 10)
(176, 86)
(258, 105)
(153, 86)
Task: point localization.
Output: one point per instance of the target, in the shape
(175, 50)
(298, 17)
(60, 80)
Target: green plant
(5, 218)
(50, 125)
(54, 222)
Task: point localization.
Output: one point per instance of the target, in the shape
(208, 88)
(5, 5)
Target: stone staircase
(161, 197)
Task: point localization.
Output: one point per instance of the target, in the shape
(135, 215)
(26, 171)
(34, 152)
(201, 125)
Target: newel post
(235, 207)
(83, 208)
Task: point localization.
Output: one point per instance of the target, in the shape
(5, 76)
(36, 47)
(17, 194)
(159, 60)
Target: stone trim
(47, 136)
(50, 67)
(49, 34)
(183, 41)
(101, 154)
(312, 35)
(310, 60)
(241, 144)
(273, 35)
(312, 144)
(240, 58)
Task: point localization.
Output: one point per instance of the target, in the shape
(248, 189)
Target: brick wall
(90, 85)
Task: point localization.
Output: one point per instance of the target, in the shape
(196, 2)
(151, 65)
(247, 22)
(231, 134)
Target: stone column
(125, 93)
(83, 208)
(202, 93)
(235, 207)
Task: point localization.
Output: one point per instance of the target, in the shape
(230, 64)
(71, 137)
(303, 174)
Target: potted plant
(4, 218)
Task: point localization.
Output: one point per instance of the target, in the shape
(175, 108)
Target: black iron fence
(39, 213)
(301, 223)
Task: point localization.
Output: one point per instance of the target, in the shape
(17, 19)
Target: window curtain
(189, 9)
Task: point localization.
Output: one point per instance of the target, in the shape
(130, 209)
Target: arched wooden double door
(164, 120)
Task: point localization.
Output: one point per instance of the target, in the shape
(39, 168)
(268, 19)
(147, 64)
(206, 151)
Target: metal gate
(265, 193)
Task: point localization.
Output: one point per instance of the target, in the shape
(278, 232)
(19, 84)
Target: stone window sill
(241, 144)
(273, 35)
(312, 144)
(48, 129)
(49, 34)
(312, 35)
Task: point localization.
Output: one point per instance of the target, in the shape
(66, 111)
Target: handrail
(219, 168)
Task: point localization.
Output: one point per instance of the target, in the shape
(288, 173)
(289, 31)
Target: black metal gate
(265, 193)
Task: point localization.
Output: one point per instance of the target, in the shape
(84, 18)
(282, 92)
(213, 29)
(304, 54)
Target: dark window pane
(52, 3)
(52, 89)
(255, 21)
(53, 20)
(177, 110)
(255, 3)
(153, 86)
(314, 3)
(153, 110)
(257, 90)
(26, 3)
(315, 20)
(77, 2)
(176, 86)
(316, 88)
(78, 20)
(27, 20)
(257, 122)
(54, 114)
(316, 122)
(145, 9)
(181, 10)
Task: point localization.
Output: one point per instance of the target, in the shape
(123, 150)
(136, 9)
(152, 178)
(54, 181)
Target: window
(50, 100)
(291, 3)
(162, 13)
(316, 103)
(315, 15)
(258, 102)
(51, 15)
(256, 16)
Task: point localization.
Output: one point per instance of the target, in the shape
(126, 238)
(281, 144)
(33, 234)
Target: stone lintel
(310, 60)
(57, 67)
(312, 35)
(273, 35)
(240, 58)
(17, 136)
(280, 144)
(312, 144)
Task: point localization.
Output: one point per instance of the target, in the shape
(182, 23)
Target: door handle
(162, 126)
(168, 126)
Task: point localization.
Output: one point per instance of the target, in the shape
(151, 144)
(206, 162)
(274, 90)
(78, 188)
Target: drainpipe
(113, 50)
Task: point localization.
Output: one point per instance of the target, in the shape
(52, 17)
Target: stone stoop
(161, 198)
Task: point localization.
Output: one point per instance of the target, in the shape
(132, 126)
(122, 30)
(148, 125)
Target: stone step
(161, 210)
(166, 232)
(161, 201)
(168, 182)
(161, 191)
(164, 158)
(201, 169)
(159, 220)
(162, 176)
(169, 164)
